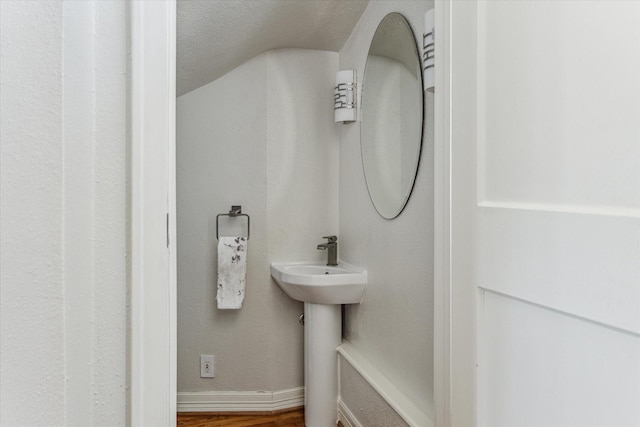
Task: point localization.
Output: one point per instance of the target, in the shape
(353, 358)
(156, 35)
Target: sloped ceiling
(215, 36)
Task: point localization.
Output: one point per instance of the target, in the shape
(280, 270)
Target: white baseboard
(240, 401)
(345, 416)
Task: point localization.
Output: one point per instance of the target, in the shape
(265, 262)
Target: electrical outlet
(206, 366)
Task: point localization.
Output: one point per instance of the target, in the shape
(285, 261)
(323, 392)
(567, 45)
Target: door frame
(152, 390)
(153, 279)
(442, 217)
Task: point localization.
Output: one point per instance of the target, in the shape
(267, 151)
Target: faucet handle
(331, 239)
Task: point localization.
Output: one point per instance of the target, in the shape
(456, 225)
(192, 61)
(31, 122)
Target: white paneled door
(545, 178)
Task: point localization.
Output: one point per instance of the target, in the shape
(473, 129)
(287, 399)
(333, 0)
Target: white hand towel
(232, 272)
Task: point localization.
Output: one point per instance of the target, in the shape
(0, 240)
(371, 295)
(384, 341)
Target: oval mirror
(392, 115)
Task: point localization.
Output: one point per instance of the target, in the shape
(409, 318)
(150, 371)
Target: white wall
(32, 314)
(261, 136)
(365, 404)
(63, 216)
(393, 327)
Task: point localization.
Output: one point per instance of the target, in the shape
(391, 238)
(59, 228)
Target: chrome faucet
(332, 246)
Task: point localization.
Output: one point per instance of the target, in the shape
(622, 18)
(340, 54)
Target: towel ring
(235, 211)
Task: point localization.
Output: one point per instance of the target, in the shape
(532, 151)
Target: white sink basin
(321, 284)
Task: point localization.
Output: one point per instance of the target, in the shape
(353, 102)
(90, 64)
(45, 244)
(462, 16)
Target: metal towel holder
(235, 211)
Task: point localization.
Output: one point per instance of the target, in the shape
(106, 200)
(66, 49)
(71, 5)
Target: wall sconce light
(428, 51)
(344, 96)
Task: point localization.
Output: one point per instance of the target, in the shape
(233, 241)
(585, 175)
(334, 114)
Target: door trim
(442, 217)
(152, 274)
(153, 384)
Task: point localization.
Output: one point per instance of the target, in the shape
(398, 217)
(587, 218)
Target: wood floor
(287, 418)
(291, 418)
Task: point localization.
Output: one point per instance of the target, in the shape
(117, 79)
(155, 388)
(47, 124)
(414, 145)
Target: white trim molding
(442, 217)
(152, 398)
(400, 403)
(240, 401)
(345, 416)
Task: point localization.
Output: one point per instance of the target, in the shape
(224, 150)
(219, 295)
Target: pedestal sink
(322, 289)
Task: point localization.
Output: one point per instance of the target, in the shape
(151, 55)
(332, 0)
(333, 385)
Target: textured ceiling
(215, 36)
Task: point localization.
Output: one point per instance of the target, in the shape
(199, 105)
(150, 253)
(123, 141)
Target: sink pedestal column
(322, 336)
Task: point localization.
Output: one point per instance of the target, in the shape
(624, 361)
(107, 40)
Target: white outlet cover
(206, 366)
